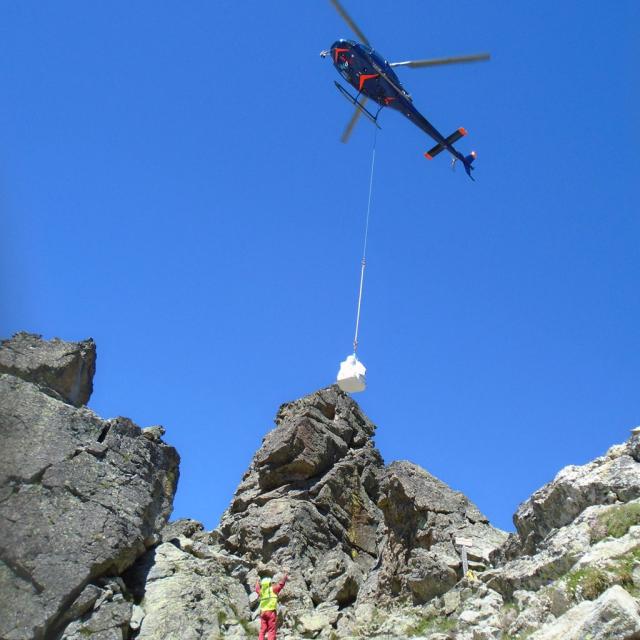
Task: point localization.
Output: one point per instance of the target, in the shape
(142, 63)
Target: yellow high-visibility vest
(268, 598)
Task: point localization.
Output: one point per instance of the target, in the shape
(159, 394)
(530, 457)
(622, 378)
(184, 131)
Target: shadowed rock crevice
(104, 432)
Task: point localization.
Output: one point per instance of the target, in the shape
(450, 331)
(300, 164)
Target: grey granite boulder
(609, 479)
(185, 527)
(107, 618)
(62, 369)
(184, 597)
(79, 497)
(423, 518)
(555, 556)
(615, 615)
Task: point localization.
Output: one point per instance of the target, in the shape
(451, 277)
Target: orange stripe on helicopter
(364, 78)
(336, 52)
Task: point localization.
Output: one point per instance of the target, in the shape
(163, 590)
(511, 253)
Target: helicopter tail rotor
(447, 144)
(448, 141)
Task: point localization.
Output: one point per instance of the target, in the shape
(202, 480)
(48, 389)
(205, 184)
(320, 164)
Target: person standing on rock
(268, 606)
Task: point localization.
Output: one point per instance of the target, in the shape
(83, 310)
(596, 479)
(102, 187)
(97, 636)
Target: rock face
(571, 564)
(610, 479)
(615, 614)
(371, 549)
(80, 497)
(62, 369)
(183, 595)
(308, 501)
(423, 517)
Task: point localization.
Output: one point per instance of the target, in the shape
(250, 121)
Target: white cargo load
(351, 376)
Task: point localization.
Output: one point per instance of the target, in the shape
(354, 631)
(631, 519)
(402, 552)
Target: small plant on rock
(622, 570)
(616, 521)
(511, 606)
(588, 583)
(433, 623)
(510, 612)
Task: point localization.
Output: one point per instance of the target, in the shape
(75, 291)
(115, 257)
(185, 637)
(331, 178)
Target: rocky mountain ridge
(372, 549)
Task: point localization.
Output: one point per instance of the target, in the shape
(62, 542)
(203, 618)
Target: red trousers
(268, 625)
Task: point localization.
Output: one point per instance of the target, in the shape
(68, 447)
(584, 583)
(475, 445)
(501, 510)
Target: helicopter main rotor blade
(348, 130)
(435, 62)
(347, 18)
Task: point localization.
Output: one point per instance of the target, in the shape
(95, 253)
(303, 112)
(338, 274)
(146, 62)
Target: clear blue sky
(172, 185)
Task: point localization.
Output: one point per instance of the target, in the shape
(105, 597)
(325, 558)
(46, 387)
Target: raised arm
(278, 588)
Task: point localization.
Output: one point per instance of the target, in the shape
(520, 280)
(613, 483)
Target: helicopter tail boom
(441, 146)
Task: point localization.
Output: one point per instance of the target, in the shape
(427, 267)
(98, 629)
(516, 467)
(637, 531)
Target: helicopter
(374, 78)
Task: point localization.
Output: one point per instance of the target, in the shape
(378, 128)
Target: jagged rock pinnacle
(318, 500)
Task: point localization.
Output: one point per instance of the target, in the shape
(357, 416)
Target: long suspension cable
(363, 264)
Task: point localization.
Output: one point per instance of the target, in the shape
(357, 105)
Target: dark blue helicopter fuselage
(371, 75)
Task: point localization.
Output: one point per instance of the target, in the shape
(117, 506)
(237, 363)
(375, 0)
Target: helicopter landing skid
(356, 103)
